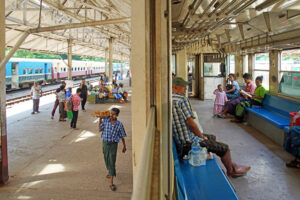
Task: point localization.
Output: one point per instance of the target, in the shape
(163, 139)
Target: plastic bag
(70, 114)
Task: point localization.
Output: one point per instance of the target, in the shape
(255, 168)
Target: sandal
(113, 187)
(294, 164)
(220, 116)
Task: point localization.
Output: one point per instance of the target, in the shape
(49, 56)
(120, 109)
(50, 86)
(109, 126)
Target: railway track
(16, 100)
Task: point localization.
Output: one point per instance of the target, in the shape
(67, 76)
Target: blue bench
(202, 183)
(275, 111)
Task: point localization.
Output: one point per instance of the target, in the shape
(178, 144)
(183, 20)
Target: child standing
(220, 100)
(76, 102)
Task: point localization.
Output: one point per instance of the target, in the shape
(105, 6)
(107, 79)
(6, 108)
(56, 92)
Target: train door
(14, 75)
(45, 71)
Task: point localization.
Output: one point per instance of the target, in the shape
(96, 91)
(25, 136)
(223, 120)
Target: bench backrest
(280, 105)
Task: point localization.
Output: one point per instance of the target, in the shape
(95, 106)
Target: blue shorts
(117, 96)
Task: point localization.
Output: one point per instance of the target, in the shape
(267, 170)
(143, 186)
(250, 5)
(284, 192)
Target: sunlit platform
(48, 160)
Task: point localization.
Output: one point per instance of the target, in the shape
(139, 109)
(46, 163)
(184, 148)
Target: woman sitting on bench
(256, 99)
(230, 106)
(116, 94)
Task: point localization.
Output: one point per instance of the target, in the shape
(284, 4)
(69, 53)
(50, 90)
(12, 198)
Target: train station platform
(48, 160)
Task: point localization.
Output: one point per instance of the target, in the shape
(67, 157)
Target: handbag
(292, 142)
(292, 114)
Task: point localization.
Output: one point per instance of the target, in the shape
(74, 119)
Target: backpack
(70, 104)
(240, 108)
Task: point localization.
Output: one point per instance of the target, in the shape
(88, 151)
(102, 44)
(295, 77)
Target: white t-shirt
(36, 91)
(121, 90)
(61, 96)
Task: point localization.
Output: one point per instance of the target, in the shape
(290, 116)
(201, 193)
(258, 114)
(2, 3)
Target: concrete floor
(268, 179)
(48, 160)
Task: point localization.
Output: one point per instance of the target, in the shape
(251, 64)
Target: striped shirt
(181, 111)
(112, 132)
(76, 101)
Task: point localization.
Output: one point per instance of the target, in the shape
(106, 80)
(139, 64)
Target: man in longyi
(185, 129)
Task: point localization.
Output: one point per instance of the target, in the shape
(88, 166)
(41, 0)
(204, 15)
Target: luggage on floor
(292, 142)
(240, 108)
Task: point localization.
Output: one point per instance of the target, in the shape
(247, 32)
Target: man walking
(36, 93)
(84, 94)
(112, 132)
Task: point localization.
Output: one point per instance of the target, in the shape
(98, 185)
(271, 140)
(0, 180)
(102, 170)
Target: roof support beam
(241, 31)
(79, 25)
(265, 4)
(228, 35)
(14, 49)
(267, 20)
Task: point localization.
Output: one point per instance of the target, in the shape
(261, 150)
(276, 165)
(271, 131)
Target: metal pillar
(106, 73)
(3, 140)
(121, 70)
(69, 59)
(110, 58)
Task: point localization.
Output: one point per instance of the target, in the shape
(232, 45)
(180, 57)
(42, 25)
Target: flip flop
(294, 164)
(220, 116)
(113, 187)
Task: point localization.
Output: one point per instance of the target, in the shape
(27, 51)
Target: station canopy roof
(88, 23)
(222, 23)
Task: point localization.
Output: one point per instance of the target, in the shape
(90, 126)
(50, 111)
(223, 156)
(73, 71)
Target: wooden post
(274, 57)
(69, 59)
(110, 58)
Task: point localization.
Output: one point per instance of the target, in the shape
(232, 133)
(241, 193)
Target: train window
(231, 64)
(41, 70)
(64, 69)
(29, 71)
(49, 70)
(290, 73)
(211, 69)
(24, 71)
(261, 68)
(36, 71)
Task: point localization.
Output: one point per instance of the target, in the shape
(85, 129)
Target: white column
(182, 68)
(69, 59)
(121, 70)
(110, 58)
(139, 66)
(106, 72)
(3, 139)
(250, 63)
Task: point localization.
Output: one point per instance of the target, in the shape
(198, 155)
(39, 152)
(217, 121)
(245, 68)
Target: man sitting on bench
(185, 128)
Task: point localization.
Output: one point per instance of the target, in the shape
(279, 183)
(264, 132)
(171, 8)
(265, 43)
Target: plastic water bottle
(197, 154)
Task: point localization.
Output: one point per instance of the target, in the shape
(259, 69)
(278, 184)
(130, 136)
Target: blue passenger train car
(23, 72)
